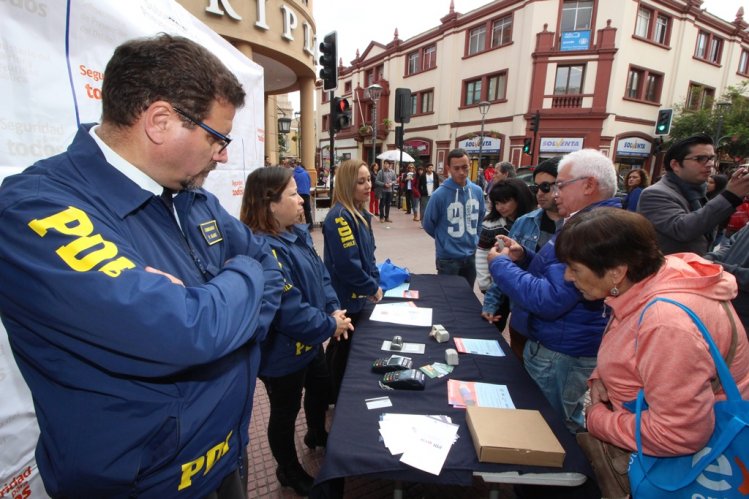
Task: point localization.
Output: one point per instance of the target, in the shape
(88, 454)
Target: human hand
(739, 183)
(598, 392)
(343, 325)
(490, 318)
(377, 297)
(168, 276)
(513, 249)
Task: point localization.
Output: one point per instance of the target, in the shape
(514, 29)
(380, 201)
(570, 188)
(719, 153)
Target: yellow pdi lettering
(75, 222)
(302, 348)
(345, 233)
(189, 470)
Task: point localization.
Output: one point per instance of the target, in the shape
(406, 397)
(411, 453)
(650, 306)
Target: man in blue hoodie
(135, 304)
(564, 330)
(453, 218)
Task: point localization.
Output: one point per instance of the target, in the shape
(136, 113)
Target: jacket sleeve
(740, 271)
(297, 318)
(680, 416)
(430, 219)
(675, 222)
(548, 296)
(380, 179)
(112, 312)
(340, 234)
(492, 300)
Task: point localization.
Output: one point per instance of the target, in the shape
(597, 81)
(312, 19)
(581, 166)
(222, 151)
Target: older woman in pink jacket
(613, 254)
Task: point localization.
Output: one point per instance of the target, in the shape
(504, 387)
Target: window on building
(502, 31)
(430, 57)
(496, 86)
(744, 63)
(644, 85)
(652, 25)
(577, 15)
(413, 63)
(325, 122)
(347, 87)
(427, 101)
(569, 79)
(708, 48)
(414, 104)
(325, 96)
(477, 40)
(699, 97)
(473, 92)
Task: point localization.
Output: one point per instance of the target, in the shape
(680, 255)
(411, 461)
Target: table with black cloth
(354, 445)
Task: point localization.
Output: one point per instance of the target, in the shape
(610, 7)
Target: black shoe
(388, 220)
(295, 477)
(316, 439)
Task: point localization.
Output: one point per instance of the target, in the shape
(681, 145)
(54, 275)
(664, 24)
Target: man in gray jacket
(677, 204)
(733, 255)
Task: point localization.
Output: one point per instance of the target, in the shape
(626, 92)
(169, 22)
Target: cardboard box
(513, 436)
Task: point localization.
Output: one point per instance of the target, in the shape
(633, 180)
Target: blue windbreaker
(304, 319)
(349, 257)
(303, 182)
(547, 308)
(453, 218)
(141, 387)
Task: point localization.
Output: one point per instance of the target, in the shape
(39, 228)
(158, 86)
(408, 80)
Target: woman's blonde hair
(346, 178)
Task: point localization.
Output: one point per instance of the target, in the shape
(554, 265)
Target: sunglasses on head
(543, 187)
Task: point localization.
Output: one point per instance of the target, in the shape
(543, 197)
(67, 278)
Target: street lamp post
(375, 91)
(483, 109)
(284, 127)
(720, 109)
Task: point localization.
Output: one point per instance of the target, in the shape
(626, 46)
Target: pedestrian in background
(428, 183)
(376, 193)
(386, 181)
(304, 186)
(416, 193)
(637, 180)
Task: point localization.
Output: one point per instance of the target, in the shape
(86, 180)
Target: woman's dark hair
(604, 238)
(263, 187)
(644, 179)
(721, 181)
(511, 188)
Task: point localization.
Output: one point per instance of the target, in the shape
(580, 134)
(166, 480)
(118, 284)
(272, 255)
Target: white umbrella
(395, 155)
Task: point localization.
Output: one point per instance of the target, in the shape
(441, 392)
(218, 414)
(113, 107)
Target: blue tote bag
(721, 468)
(391, 275)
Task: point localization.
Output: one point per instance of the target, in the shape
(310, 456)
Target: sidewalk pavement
(407, 245)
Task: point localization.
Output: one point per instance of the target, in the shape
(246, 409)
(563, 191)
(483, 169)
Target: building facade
(596, 72)
(279, 35)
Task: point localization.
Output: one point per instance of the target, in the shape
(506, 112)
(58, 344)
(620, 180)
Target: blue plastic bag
(391, 275)
(721, 468)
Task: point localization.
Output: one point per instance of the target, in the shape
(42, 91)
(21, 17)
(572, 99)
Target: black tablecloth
(354, 445)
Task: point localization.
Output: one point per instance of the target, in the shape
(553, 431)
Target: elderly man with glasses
(677, 205)
(563, 329)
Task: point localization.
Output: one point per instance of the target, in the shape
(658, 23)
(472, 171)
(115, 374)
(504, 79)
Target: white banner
(633, 146)
(52, 59)
(563, 144)
(490, 145)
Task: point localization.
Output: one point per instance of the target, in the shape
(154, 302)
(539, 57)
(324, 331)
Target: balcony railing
(567, 101)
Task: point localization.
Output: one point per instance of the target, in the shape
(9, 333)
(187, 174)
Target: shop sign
(633, 146)
(471, 146)
(420, 145)
(575, 40)
(560, 144)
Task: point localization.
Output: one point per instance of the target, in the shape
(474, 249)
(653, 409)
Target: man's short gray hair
(592, 163)
(506, 168)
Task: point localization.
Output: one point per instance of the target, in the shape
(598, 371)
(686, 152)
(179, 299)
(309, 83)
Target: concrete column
(306, 102)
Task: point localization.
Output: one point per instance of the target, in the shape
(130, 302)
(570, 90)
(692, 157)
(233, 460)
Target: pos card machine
(410, 379)
(392, 363)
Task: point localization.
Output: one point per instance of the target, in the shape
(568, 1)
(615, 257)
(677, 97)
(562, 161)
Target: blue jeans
(465, 267)
(562, 378)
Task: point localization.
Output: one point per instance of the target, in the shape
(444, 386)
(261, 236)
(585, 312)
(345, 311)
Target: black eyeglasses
(702, 159)
(543, 187)
(223, 140)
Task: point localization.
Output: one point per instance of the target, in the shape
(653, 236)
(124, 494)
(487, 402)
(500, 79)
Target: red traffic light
(343, 105)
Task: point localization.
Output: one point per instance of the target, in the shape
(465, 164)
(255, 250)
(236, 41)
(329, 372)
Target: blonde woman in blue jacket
(349, 254)
(310, 313)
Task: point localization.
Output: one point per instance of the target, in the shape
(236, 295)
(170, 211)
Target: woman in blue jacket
(349, 254)
(292, 354)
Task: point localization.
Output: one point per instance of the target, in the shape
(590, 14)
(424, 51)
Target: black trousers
(231, 487)
(385, 200)
(336, 356)
(285, 395)
(307, 209)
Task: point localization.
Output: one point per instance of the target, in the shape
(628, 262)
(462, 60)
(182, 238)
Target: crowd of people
(160, 310)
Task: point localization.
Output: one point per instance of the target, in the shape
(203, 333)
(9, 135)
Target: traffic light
(527, 145)
(535, 121)
(399, 137)
(340, 114)
(329, 61)
(663, 123)
(402, 105)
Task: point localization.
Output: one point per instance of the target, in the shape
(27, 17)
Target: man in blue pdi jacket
(135, 315)
(453, 217)
(564, 330)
